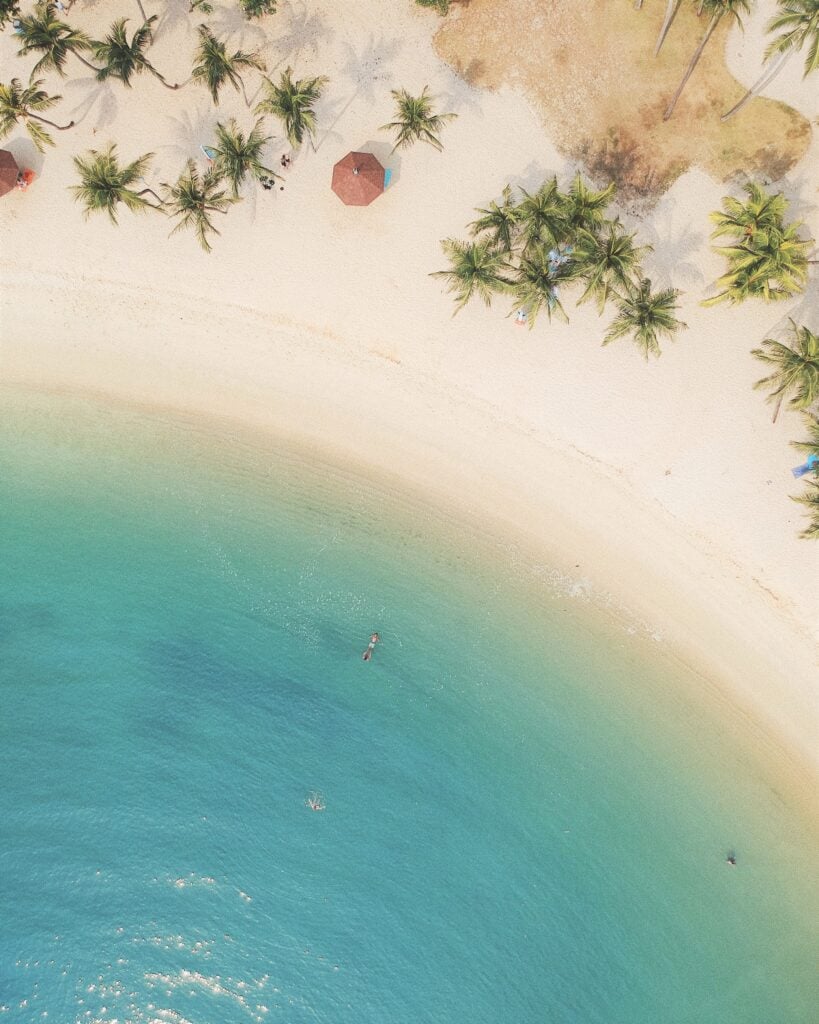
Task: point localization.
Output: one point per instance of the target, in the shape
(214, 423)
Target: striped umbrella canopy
(8, 172)
(358, 179)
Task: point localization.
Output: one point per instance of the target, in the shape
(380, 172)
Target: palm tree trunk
(638, 4)
(165, 82)
(761, 83)
(670, 13)
(80, 57)
(778, 407)
(150, 191)
(699, 9)
(142, 10)
(59, 127)
(244, 92)
(694, 61)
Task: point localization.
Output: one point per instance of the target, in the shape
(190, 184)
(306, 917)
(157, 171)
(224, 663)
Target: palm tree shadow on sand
(459, 97)
(93, 93)
(230, 22)
(177, 15)
(676, 243)
(530, 178)
(191, 130)
(363, 68)
(305, 30)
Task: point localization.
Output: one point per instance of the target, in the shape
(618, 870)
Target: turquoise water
(524, 821)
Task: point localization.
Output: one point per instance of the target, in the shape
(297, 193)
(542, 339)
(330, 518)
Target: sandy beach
(661, 490)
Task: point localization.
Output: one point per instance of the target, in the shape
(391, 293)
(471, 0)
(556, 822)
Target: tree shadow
(305, 30)
(797, 191)
(676, 244)
(230, 22)
(177, 15)
(530, 179)
(366, 66)
(806, 309)
(461, 96)
(191, 130)
(330, 110)
(363, 68)
(96, 93)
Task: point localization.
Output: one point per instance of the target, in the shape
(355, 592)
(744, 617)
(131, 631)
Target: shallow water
(523, 821)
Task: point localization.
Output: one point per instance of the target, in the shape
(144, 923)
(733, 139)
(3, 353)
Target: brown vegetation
(591, 69)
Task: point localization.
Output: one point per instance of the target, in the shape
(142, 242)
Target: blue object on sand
(209, 152)
(806, 466)
(387, 178)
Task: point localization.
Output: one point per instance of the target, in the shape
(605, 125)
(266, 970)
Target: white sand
(666, 483)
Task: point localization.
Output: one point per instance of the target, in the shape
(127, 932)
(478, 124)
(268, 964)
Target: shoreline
(664, 486)
(630, 562)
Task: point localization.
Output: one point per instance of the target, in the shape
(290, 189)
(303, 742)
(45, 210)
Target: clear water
(524, 820)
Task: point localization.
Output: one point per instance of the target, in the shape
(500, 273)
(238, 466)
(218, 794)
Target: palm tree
(9, 10)
(646, 316)
(800, 21)
(476, 268)
(718, 10)
(542, 216)
(810, 499)
(585, 209)
(121, 59)
(193, 198)
(500, 222)
(237, 156)
(671, 8)
(536, 284)
(771, 264)
(215, 66)
(24, 103)
(762, 210)
(811, 446)
(608, 262)
(796, 369)
(258, 8)
(42, 33)
(292, 102)
(415, 121)
(104, 184)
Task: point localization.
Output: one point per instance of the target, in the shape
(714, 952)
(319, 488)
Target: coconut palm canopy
(358, 179)
(8, 172)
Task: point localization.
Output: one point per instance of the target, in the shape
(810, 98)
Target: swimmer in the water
(731, 859)
(374, 638)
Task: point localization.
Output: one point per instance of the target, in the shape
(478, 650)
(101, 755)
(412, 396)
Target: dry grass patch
(589, 65)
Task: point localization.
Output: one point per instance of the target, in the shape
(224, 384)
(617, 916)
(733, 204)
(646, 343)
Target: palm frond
(476, 269)
(415, 120)
(646, 317)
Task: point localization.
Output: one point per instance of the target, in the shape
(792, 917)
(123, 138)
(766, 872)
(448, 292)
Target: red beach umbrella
(358, 179)
(8, 172)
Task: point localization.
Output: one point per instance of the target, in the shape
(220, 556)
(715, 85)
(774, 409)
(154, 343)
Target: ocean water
(526, 820)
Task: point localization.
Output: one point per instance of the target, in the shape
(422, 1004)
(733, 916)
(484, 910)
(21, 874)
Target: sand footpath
(666, 483)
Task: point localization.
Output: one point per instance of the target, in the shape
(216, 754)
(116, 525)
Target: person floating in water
(374, 638)
(731, 859)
